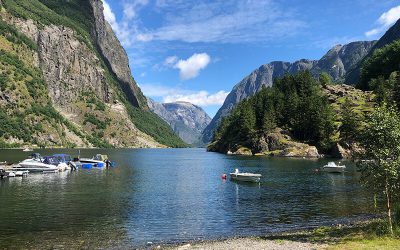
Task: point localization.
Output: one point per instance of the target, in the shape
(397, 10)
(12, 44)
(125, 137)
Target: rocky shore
(253, 243)
(278, 142)
(350, 235)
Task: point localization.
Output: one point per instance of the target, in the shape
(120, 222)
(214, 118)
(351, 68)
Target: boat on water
(249, 177)
(64, 158)
(98, 160)
(39, 164)
(27, 150)
(332, 167)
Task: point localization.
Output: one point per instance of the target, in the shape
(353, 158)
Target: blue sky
(195, 50)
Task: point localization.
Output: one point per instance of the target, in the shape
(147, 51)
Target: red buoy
(223, 177)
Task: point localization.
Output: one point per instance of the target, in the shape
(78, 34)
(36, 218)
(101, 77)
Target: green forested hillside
(381, 64)
(295, 102)
(311, 110)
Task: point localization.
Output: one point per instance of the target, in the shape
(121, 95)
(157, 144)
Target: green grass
(382, 243)
(363, 235)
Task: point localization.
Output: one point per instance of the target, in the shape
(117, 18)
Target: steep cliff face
(187, 120)
(115, 55)
(85, 71)
(335, 62)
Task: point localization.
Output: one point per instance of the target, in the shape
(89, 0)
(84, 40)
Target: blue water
(169, 196)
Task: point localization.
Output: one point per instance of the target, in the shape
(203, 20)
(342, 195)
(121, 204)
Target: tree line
(294, 102)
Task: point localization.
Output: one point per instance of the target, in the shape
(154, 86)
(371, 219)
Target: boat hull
(35, 167)
(333, 169)
(246, 178)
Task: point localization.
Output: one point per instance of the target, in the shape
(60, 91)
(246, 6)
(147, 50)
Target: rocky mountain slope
(393, 34)
(187, 120)
(67, 80)
(335, 62)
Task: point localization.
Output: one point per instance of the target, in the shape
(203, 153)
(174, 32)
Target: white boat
(37, 164)
(250, 177)
(331, 167)
(27, 150)
(97, 161)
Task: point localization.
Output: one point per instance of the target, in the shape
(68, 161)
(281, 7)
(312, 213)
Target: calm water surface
(170, 196)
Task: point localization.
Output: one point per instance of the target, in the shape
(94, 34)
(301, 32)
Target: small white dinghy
(250, 177)
(331, 167)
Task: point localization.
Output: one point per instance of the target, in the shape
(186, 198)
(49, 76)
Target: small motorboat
(98, 160)
(331, 167)
(27, 150)
(37, 164)
(250, 177)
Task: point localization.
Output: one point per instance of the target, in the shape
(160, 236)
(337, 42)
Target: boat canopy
(51, 160)
(36, 156)
(100, 157)
(63, 157)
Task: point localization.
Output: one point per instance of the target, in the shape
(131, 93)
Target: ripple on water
(171, 195)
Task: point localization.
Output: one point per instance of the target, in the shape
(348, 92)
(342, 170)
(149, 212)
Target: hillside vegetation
(29, 116)
(312, 111)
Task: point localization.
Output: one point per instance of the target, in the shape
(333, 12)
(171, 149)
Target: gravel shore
(252, 243)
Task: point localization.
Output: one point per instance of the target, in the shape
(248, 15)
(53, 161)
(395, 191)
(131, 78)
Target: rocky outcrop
(276, 143)
(336, 63)
(187, 120)
(115, 55)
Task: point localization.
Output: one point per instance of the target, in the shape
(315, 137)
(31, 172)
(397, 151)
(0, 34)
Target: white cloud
(190, 68)
(215, 21)
(127, 29)
(386, 20)
(200, 98)
(110, 16)
(131, 8)
(390, 17)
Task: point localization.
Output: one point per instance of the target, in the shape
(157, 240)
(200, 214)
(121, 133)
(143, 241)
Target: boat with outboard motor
(98, 160)
(332, 167)
(249, 177)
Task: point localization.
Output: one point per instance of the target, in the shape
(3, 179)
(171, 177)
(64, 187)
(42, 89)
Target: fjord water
(170, 196)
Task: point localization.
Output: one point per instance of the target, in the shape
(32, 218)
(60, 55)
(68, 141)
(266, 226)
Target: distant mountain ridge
(336, 62)
(186, 119)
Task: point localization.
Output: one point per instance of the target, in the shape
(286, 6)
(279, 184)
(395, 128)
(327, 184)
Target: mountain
(187, 120)
(65, 80)
(393, 34)
(335, 62)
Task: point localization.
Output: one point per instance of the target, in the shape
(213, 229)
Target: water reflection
(171, 195)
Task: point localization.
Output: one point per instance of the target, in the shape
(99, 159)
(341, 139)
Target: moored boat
(98, 160)
(332, 167)
(37, 164)
(248, 177)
